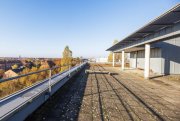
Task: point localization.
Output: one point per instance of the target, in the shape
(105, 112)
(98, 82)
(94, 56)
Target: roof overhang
(167, 19)
(136, 48)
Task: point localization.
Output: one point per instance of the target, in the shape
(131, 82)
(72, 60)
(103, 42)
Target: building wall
(102, 60)
(155, 60)
(171, 56)
(165, 57)
(132, 62)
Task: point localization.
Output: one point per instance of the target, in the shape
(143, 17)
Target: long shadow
(97, 92)
(157, 76)
(119, 98)
(128, 112)
(137, 97)
(98, 72)
(140, 100)
(154, 77)
(65, 103)
(99, 99)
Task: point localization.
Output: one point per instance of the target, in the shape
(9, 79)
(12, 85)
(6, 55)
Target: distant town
(10, 66)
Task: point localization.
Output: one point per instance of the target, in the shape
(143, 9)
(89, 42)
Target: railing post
(69, 71)
(50, 74)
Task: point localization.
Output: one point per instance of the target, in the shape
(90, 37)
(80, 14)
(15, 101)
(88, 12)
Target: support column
(147, 61)
(122, 64)
(113, 59)
(136, 59)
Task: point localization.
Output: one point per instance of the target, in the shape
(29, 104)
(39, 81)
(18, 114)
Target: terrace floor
(119, 97)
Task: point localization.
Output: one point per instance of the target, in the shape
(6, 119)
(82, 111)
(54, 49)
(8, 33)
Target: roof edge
(153, 20)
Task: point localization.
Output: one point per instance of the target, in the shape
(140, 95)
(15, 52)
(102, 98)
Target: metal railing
(21, 104)
(24, 75)
(31, 73)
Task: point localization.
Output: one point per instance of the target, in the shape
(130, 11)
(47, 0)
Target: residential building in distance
(101, 60)
(10, 73)
(47, 64)
(6, 64)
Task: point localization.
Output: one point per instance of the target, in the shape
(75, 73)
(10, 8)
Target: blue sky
(42, 28)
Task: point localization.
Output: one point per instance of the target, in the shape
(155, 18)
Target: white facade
(164, 57)
(101, 60)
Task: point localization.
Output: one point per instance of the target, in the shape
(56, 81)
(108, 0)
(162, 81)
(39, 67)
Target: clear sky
(42, 28)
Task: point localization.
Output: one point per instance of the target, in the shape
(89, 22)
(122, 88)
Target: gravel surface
(103, 97)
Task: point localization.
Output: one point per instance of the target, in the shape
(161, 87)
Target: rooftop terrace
(121, 96)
